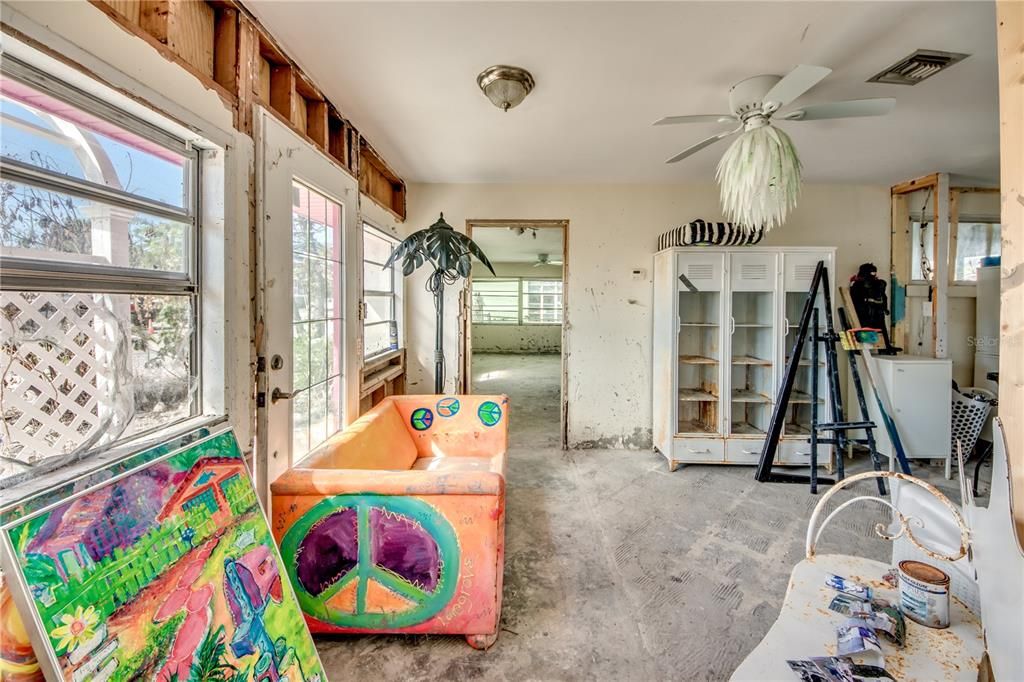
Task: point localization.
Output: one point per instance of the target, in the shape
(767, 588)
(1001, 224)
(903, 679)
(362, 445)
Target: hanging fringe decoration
(759, 178)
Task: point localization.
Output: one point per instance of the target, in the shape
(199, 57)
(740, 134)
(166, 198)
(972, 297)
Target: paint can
(924, 594)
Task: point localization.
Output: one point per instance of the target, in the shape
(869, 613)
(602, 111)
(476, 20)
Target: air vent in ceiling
(918, 66)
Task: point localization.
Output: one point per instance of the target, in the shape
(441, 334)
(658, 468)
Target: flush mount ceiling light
(505, 86)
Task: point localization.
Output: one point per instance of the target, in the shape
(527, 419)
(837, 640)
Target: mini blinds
(517, 301)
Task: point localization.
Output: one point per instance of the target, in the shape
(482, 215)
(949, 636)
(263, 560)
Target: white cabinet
(724, 324)
(920, 395)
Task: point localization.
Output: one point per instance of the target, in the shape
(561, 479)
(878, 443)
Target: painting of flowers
(165, 572)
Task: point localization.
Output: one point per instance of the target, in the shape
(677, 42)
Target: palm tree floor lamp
(450, 253)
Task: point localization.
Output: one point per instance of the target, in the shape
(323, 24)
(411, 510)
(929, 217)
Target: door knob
(278, 394)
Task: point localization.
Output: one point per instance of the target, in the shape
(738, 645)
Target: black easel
(809, 323)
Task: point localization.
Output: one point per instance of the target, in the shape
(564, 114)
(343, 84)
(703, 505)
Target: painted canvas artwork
(165, 573)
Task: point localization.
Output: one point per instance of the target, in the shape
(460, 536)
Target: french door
(306, 327)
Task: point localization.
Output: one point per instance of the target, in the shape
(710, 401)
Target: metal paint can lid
(926, 573)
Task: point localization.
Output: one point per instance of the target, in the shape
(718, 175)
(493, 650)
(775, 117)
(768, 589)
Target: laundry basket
(970, 410)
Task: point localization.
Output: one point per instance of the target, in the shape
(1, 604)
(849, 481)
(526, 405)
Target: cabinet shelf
(750, 360)
(694, 426)
(746, 429)
(698, 324)
(697, 360)
(802, 397)
(697, 394)
(742, 395)
(791, 429)
(752, 325)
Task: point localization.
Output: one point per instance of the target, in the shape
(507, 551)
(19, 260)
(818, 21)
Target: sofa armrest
(344, 481)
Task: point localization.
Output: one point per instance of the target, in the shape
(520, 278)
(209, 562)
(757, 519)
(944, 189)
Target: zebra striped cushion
(703, 233)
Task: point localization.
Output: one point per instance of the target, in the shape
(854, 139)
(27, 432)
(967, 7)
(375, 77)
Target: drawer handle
(751, 452)
(699, 452)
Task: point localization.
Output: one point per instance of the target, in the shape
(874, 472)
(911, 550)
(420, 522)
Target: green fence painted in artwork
(117, 579)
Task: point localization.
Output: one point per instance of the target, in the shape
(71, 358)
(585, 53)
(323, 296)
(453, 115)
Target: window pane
(317, 224)
(376, 279)
(300, 219)
(317, 352)
(379, 309)
(318, 414)
(318, 290)
(86, 370)
(300, 423)
(300, 287)
(333, 289)
(45, 132)
(37, 223)
(333, 405)
(375, 247)
(974, 243)
(300, 356)
(378, 338)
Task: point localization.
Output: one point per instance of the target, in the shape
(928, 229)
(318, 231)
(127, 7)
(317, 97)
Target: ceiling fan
(545, 259)
(754, 101)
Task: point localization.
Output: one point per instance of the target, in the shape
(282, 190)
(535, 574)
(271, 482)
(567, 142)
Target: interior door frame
(323, 174)
(465, 383)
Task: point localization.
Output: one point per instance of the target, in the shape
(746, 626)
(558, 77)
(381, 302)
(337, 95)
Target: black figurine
(871, 303)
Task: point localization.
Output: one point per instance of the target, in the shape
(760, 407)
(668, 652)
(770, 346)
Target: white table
(806, 627)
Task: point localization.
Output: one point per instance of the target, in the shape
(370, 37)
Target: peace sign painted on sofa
(372, 561)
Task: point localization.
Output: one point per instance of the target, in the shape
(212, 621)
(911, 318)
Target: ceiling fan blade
(698, 118)
(703, 143)
(793, 84)
(848, 109)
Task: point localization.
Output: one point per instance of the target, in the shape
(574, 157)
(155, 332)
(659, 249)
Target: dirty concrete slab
(616, 568)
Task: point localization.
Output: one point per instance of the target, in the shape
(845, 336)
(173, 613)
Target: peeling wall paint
(612, 231)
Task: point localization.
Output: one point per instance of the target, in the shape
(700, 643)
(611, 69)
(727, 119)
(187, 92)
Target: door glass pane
(752, 361)
(317, 240)
(798, 414)
(699, 344)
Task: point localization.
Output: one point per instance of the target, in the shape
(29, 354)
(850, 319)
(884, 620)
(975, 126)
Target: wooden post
(247, 79)
(1010, 40)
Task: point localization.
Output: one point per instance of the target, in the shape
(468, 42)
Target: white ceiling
(405, 73)
(502, 245)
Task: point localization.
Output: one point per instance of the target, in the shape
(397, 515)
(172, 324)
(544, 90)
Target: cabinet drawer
(799, 452)
(743, 450)
(710, 450)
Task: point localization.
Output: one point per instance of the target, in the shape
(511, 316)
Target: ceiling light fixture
(505, 86)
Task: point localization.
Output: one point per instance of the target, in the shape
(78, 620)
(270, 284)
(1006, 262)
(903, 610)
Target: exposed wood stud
(316, 123)
(220, 43)
(226, 47)
(282, 90)
(248, 65)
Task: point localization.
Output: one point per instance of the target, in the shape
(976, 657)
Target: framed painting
(165, 571)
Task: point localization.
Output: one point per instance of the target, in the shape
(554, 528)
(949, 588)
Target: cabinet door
(753, 330)
(797, 273)
(700, 281)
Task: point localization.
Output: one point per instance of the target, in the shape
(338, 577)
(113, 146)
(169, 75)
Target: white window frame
(54, 275)
(520, 296)
(397, 293)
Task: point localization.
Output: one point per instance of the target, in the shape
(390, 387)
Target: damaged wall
(518, 338)
(612, 230)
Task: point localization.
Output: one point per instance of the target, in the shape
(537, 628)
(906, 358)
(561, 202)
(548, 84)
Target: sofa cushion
(450, 464)
(377, 440)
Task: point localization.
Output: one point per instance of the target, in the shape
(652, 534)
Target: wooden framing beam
(225, 47)
(923, 182)
(1010, 48)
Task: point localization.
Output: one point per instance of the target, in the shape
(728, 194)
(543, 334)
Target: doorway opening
(513, 325)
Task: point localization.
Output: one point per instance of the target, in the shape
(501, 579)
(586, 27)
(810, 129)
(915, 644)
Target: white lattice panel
(65, 359)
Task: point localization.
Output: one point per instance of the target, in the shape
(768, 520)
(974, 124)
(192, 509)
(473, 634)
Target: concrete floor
(616, 569)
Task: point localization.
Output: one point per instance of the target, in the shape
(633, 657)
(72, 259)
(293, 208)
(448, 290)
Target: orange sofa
(396, 524)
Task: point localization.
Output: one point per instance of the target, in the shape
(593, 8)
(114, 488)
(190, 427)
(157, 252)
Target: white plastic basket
(970, 410)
